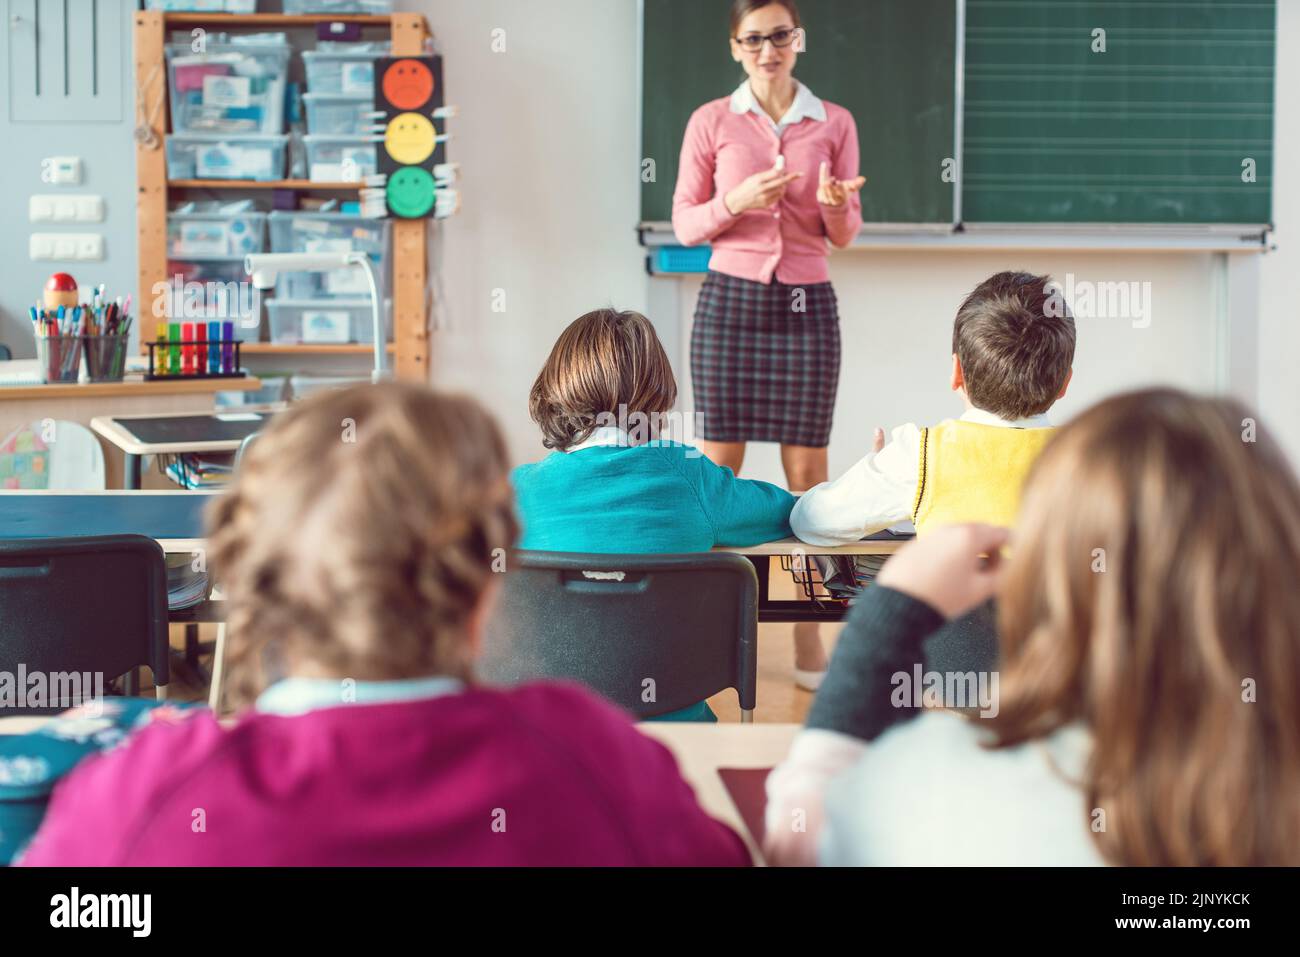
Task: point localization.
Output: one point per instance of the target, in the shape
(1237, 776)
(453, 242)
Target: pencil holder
(105, 357)
(59, 357)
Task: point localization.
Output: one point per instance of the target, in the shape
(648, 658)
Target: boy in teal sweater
(612, 485)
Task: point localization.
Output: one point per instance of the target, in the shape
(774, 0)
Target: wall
(107, 152)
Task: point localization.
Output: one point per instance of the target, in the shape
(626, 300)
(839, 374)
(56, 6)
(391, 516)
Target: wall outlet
(65, 247)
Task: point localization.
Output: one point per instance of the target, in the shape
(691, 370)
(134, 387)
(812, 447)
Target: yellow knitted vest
(973, 473)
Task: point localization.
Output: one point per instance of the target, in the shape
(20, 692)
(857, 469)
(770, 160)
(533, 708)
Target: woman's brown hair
(359, 536)
(743, 8)
(605, 364)
(1152, 596)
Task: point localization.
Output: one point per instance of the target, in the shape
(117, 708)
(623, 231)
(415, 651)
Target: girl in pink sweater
(359, 548)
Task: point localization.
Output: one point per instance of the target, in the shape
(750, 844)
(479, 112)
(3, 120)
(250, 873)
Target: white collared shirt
(297, 696)
(880, 489)
(603, 435)
(805, 106)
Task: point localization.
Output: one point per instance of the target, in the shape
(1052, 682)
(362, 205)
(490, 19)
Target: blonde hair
(1152, 596)
(359, 537)
(605, 364)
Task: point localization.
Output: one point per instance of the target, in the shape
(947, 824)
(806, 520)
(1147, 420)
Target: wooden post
(410, 246)
(150, 168)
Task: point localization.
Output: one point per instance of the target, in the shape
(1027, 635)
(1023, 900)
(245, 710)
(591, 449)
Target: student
(612, 484)
(1012, 350)
(1144, 712)
(356, 550)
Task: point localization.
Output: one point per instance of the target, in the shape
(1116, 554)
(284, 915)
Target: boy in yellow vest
(1013, 348)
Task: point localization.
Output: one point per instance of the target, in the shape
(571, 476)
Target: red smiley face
(408, 84)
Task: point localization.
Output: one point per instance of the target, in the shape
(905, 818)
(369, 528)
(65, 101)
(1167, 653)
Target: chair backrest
(5, 353)
(672, 628)
(52, 454)
(83, 605)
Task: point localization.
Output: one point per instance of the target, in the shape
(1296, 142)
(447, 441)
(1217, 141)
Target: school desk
(174, 433)
(796, 610)
(701, 749)
(81, 402)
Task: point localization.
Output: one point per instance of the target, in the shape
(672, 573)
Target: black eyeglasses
(753, 42)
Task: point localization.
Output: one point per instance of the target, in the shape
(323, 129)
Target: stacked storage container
(334, 306)
(341, 143)
(227, 106)
(208, 246)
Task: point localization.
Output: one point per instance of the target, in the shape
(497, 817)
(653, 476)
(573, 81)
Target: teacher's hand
(760, 190)
(835, 192)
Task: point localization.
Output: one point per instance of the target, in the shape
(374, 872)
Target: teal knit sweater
(665, 498)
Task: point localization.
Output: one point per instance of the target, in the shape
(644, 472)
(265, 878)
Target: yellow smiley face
(410, 138)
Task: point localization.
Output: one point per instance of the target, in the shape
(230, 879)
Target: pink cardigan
(722, 148)
(543, 774)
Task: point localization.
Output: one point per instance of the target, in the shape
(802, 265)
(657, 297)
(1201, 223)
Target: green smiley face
(411, 192)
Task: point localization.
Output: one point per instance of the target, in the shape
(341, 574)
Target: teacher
(768, 175)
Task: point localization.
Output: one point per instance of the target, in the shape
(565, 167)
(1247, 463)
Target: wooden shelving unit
(321, 349)
(410, 292)
(298, 184)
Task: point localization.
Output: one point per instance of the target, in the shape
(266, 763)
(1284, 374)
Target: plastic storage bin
(339, 114)
(341, 159)
(301, 386)
(272, 391)
(215, 234)
(323, 320)
(230, 88)
(341, 71)
(213, 156)
(202, 6)
(330, 232)
(338, 6)
(211, 287)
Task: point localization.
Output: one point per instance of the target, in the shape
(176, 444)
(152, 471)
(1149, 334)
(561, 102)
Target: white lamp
(265, 267)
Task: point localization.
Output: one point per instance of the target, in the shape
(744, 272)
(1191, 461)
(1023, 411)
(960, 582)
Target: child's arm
(875, 493)
(741, 511)
(698, 214)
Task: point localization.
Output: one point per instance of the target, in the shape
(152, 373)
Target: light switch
(40, 208)
(66, 246)
(90, 209)
(40, 246)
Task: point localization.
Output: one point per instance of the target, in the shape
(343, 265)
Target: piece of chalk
(780, 162)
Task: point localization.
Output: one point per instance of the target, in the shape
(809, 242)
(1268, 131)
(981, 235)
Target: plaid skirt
(765, 361)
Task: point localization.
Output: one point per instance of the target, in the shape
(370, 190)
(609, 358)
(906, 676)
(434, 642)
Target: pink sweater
(543, 774)
(722, 148)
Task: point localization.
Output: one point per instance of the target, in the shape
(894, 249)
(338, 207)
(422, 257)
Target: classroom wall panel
(92, 121)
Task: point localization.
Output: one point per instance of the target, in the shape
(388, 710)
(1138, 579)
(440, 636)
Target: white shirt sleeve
(876, 493)
(792, 820)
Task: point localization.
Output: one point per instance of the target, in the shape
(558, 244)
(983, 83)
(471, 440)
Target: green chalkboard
(1157, 128)
(890, 62)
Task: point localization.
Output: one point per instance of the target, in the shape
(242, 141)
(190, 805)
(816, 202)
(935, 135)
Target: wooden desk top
(700, 749)
(792, 546)
(110, 428)
(129, 386)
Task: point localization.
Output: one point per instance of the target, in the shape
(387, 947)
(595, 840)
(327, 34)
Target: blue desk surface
(63, 514)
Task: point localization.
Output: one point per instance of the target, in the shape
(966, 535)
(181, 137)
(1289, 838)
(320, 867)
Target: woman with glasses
(768, 175)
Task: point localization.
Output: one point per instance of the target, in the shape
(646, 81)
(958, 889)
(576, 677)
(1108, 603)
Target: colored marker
(227, 347)
(174, 348)
(187, 348)
(214, 347)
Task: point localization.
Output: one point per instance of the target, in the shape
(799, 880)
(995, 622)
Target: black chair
(672, 628)
(5, 353)
(78, 606)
